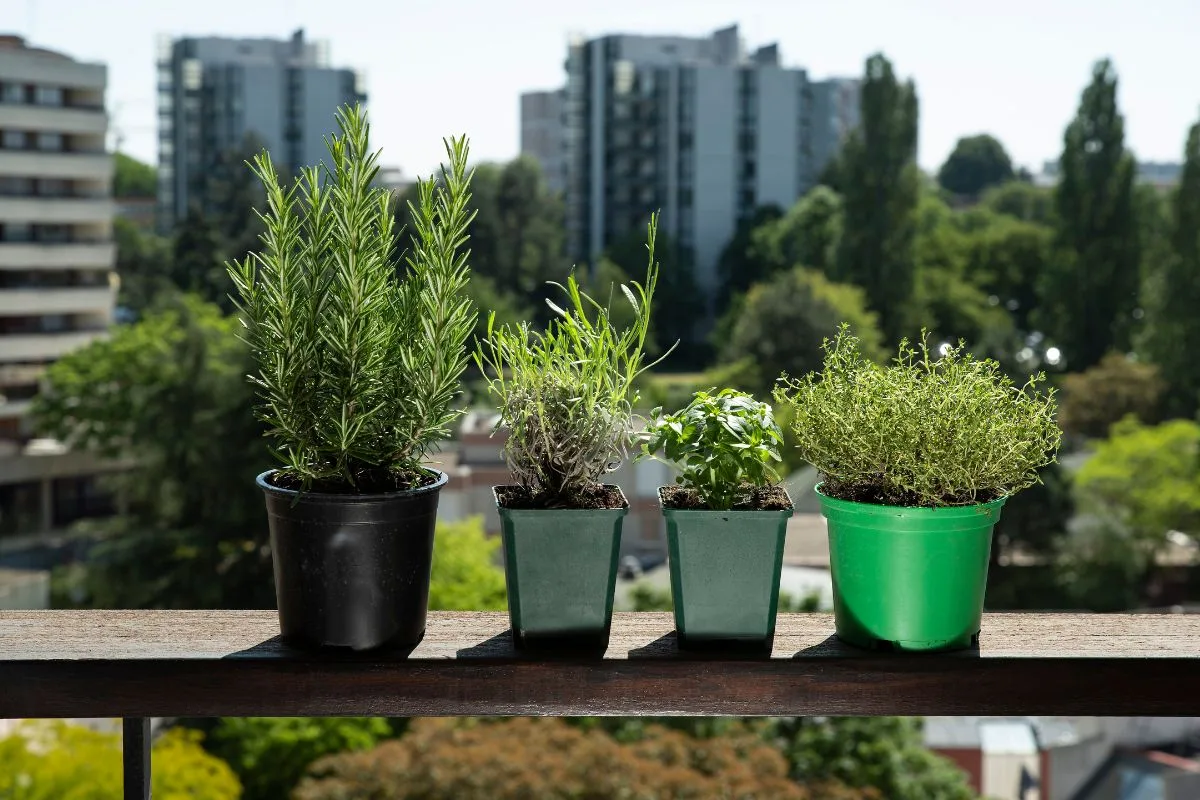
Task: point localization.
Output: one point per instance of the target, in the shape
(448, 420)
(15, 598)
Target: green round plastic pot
(909, 578)
(560, 568)
(725, 569)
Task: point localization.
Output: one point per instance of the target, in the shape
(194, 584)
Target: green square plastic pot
(560, 568)
(909, 578)
(725, 568)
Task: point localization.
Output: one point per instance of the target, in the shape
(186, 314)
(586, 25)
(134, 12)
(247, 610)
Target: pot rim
(739, 511)
(879, 509)
(506, 510)
(332, 497)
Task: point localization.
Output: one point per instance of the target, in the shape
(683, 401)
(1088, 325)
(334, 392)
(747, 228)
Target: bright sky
(439, 67)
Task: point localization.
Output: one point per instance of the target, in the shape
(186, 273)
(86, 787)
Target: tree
(198, 256)
(883, 753)
(58, 760)
(1094, 400)
(231, 194)
(1172, 337)
(808, 235)
(168, 395)
(1035, 520)
(738, 267)
(132, 178)
(1005, 258)
(1022, 200)
(682, 313)
(976, 163)
(783, 322)
(548, 759)
(879, 185)
(465, 574)
(1145, 481)
(1090, 293)
(270, 755)
(144, 266)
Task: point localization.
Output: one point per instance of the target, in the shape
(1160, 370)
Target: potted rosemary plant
(726, 517)
(566, 397)
(359, 362)
(916, 460)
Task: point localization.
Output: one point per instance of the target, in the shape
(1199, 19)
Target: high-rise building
(696, 128)
(542, 135)
(57, 285)
(214, 91)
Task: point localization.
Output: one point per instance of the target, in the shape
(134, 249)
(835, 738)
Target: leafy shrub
(780, 322)
(358, 368)
(465, 575)
(566, 393)
(721, 443)
(1100, 396)
(549, 759)
(271, 754)
(922, 431)
(57, 760)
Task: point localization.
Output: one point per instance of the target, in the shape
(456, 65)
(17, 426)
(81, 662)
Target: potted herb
(726, 518)
(359, 362)
(566, 396)
(916, 460)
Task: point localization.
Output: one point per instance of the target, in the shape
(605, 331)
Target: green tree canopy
(133, 178)
(738, 267)
(880, 186)
(976, 163)
(169, 397)
(808, 235)
(1094, 400)
(1090, 292)
(1022, 200)
(61, 761)
(782, 323)
(1145, 480)
(1172, 335)
(886, 754)
(466, 573)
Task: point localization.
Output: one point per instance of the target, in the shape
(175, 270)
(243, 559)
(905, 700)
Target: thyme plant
(722, 443)
(358, 364)
(921, 431)
(566, 393)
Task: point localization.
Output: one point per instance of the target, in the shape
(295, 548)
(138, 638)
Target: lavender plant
(359, 364)
(566, 393)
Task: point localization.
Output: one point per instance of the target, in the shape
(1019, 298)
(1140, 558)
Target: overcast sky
(438, 67)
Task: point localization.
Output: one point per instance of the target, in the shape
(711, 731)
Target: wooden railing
(139, 664)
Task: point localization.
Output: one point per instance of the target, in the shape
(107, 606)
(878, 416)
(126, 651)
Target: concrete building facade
(542, 135)
(57, 285)
(213, 91)
(696, 128)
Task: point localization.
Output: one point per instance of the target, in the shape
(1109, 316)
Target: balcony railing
(142, 664)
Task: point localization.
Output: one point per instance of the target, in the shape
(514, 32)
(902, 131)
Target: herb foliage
(720, 443)
(566, 393)
(921, 431)
(358, 364)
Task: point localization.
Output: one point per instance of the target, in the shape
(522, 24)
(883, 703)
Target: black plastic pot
(352, 570)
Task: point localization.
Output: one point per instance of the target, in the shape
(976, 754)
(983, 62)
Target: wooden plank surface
(197, 663)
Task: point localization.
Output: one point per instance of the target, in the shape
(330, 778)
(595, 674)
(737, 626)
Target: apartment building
(697, 128)
(57, 285)
(542, 126)
(213, 91)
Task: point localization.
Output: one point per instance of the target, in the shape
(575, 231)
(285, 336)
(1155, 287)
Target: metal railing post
(135, 757)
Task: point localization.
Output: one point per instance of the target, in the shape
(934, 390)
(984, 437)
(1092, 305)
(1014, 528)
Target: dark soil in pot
(751, 498)
(519, 497)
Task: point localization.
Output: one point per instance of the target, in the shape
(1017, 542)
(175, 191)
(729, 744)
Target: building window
(12, 93)
(12, 140)
(13, 186)
(50, 141)
(15, 232)
(48, 96)
(53, 187)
